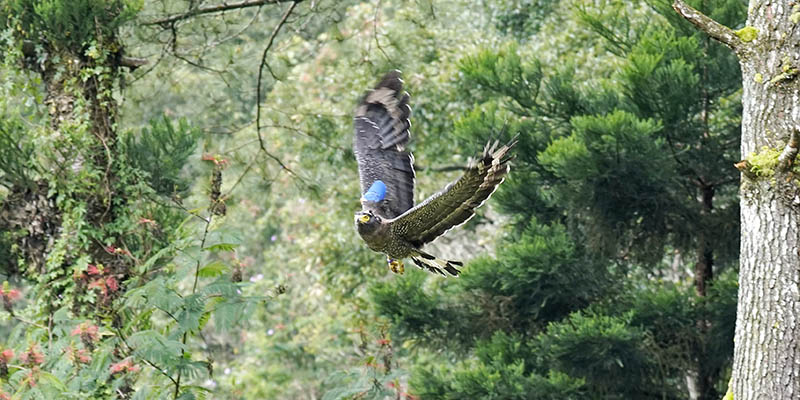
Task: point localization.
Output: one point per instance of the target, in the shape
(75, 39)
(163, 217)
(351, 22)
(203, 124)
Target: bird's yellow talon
(397, 267)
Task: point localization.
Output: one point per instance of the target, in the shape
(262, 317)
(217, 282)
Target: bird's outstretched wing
(457, 202)
(381, 133)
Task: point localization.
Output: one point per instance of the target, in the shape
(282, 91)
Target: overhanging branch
(258, 87)
(132, 62)
(712, 28)
(215, 9)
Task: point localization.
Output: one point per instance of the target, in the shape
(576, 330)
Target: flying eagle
(389, 222)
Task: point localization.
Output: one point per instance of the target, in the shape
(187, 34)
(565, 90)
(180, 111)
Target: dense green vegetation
(182, 228)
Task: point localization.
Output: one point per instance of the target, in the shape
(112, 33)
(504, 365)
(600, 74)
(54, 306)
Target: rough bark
(766, 351)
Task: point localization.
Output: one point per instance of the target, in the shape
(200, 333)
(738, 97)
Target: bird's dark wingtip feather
(437, 267)
(392, 81)
(452, 270)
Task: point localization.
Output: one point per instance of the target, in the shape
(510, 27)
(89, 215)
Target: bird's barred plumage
(381, 134)
(389, 222)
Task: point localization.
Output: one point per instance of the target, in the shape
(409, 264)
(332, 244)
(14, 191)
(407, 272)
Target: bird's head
(367, 221)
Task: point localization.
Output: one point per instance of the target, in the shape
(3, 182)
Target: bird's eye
(364, 218)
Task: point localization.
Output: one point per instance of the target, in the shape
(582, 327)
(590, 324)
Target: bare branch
(132, 62)
(215, 9)
(375, 32)
(712, 28)
(258, 86)
(789, 154)
(307, 134)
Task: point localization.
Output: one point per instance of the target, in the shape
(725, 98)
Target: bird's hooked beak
(363, 219)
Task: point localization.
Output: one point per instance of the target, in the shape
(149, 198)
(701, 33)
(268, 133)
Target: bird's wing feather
(457, 202)
(381, 133)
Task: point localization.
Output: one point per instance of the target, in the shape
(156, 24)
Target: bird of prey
(389, 222)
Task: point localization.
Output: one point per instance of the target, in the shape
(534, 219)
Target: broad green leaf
(221, 247)
(213, 269)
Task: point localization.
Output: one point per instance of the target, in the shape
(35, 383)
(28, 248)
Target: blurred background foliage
(603, 268)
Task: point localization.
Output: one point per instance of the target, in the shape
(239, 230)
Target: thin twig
(200, 66)
(375, 32)
(25, 321)
(261, 71)
(238, 180)
(307, 134)
(132, 350)
(261, 66)
(215, 9)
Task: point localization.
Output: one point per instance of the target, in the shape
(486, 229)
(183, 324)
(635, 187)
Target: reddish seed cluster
(86, 329)
(32, 357)
(217, 160)
(111, 249)
(32, 376)
(6, 356)
(403, 395)
(79, 355)
(106, 285)
(10, 294)
(147, 221)
(88, 332)
(94, 275)
(91, 270)
(125, 365)
(9, 297)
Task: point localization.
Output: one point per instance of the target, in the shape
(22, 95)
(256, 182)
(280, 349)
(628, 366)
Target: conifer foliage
(622, 185)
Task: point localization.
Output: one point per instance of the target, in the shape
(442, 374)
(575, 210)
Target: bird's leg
(396, 266)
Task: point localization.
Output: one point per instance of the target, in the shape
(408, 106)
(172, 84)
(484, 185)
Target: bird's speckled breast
(382, 240)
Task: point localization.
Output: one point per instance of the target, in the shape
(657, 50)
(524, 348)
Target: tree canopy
(177, 189)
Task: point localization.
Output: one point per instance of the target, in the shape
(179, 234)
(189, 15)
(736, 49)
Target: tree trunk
(700, 381)
(766, 351)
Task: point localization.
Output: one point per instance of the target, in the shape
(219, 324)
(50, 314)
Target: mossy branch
(721, 33)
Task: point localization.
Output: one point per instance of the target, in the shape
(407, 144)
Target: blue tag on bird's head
(376, 192)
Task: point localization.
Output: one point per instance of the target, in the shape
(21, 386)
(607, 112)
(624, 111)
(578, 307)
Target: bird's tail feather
(436, 265)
